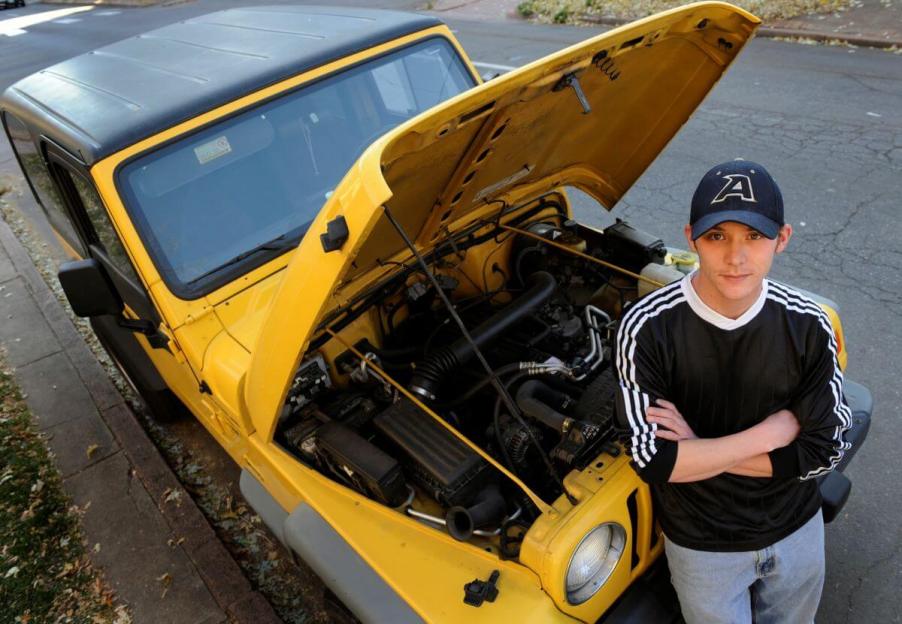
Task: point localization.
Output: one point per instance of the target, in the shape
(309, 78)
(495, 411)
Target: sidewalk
(873, 23)
(157, 550)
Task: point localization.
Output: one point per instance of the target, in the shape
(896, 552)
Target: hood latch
(570, 80)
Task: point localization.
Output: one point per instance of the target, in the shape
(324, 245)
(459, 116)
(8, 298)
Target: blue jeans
(780, 583)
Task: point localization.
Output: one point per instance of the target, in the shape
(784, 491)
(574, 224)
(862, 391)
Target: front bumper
(835, 486)
(651, 598)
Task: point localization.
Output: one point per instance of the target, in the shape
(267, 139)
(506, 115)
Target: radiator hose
(430, 372)
(536, 400)
(487, 509)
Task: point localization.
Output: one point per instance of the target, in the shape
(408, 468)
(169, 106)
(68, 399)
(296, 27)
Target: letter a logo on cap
(738, 185)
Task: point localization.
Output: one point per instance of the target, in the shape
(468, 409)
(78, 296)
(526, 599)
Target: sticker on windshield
(211, 150)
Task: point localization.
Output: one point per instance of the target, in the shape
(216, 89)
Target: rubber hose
(430, 373)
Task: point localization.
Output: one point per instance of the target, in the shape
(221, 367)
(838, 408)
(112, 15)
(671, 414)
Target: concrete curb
(772, 31)
(76, 404)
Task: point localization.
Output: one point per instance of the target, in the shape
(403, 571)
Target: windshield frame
(230, 271)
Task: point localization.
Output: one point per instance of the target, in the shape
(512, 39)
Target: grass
(564, 11)
(45, 575)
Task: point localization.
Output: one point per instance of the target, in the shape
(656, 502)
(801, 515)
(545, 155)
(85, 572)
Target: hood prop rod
(582, 255)
(503, 394)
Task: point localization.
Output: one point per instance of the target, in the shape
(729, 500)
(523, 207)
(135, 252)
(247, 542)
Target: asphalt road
(826, 121)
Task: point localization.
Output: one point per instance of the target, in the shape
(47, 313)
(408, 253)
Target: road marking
(17, 25)
(495, 66)
(107, 13)
(67, 20)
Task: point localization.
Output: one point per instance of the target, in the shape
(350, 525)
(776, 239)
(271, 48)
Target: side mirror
(88, 289)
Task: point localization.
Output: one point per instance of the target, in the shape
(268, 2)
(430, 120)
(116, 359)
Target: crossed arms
(743, 453)
(803, 441)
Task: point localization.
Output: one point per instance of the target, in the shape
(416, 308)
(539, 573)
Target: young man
(731, 396)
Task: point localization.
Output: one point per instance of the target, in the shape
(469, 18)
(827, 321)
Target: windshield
(253, 183)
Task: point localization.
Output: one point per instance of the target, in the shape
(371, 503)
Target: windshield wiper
(279, 243)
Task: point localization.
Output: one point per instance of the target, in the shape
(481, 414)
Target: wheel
(161, 403)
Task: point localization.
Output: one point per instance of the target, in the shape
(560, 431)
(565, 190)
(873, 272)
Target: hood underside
(594, 116)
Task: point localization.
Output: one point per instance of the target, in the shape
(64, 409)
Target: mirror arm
(156, 339)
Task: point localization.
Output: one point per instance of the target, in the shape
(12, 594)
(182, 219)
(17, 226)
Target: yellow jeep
(356, 265)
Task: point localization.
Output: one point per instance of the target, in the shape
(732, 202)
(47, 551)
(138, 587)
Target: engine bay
(530, 381)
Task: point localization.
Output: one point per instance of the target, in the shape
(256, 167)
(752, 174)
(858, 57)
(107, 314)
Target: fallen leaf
(122, 616)
(13, 571)
(172, 496)
(97, 547)
(166, 580)
(91, 450)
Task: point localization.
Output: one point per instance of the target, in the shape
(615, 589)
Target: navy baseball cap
(740, 191)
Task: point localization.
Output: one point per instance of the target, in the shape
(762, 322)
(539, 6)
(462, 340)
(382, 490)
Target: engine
(530, 382)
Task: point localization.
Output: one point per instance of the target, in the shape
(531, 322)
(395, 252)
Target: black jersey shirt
(725, 375)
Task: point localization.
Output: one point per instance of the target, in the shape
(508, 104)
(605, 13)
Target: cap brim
(767, 227)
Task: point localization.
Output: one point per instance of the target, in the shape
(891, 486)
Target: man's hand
(674, 425)
(781, 428)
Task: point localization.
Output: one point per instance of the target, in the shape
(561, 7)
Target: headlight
(594, 559)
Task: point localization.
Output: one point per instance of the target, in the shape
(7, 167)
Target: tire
(161, 403)
(163, 406)
(336, 610)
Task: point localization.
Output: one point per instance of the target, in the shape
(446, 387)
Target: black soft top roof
(100, 102)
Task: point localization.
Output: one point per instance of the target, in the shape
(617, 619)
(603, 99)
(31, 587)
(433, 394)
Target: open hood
(594, 115)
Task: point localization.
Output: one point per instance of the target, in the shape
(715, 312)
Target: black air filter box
(371, 469)
(434, 458)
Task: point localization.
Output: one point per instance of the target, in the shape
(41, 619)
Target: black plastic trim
(633, 509)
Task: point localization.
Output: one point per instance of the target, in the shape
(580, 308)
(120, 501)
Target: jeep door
(151, 362)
